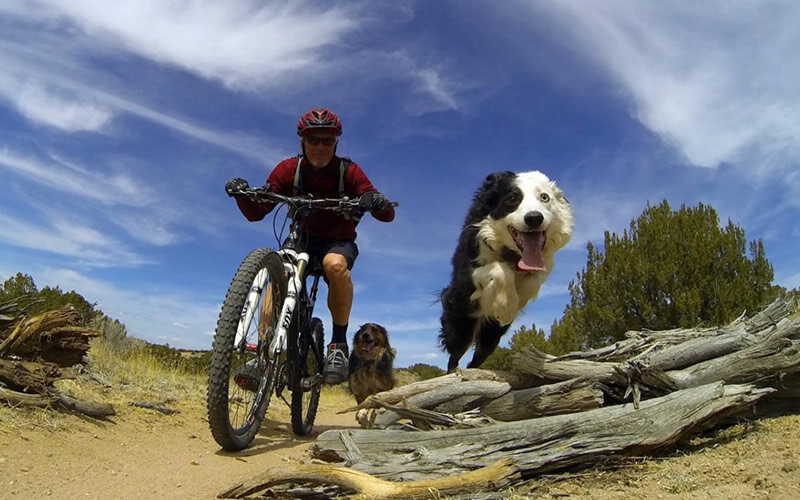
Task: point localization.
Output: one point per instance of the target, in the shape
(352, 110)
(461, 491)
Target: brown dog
(370, 362)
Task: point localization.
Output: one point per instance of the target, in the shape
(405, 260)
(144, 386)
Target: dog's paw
(363, 418)
(506, 308)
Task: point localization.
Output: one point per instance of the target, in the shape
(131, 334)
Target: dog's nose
(534, 219)
(366, 337)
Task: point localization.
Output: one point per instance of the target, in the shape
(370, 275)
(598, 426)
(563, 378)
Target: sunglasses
(325, 141)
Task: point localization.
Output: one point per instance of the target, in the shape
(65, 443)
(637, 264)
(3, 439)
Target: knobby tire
(225, 397)
(308, 363)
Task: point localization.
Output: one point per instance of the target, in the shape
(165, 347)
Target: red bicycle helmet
(317, 119)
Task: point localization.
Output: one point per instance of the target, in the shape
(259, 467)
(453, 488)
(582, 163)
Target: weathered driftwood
(746, 351)
(574, 395)
(425, 420)
(33, 351)
(407, 391)
(775, 352)
(639, 342)
(155, 406)
(88, 408)
(56, 328)
(495, 476)
(28, 376)
(16, 398)
(63, 401)
(741, 357)
(476, 390)
(550, 369)
(543, 444)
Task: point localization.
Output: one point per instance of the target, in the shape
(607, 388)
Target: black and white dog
(516, 223)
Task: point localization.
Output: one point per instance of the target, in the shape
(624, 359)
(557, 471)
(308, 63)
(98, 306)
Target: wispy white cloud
(99, 185)
(242, 43)
(245, 45)
(72, 98)
(712, 79)
(147, 227)
(42, 105)
(61, 235)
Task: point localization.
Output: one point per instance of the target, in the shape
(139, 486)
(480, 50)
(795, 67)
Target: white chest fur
(501, 292)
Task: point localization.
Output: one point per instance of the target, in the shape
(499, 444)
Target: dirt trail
(143, 454)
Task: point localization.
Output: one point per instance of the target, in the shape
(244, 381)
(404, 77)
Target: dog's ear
(560, 194)
(494, 178)
(489, 193)
(381, 331)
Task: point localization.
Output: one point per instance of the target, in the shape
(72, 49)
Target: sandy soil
(141, 454)
(144, 454)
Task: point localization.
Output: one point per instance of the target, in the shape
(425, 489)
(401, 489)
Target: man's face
(319, 145)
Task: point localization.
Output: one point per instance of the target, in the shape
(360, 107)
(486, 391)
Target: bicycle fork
(250, 308)
(295, 273)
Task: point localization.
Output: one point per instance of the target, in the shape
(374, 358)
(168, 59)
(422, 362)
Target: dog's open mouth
(531, 244)
(365, 345)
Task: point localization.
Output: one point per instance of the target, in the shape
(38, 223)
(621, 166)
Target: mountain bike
(266, 339)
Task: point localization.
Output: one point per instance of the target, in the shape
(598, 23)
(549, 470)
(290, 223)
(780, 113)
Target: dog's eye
(544, 197)
(513, 198)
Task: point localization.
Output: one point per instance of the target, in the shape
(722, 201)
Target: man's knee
(335, 266)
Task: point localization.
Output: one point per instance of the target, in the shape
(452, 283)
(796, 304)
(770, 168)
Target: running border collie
(516, 223)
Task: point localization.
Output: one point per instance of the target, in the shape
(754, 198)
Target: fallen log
(28, 376)
(407, 391)
(155, 406)
(25, 335)
(495, 476)
(574, 395)
(33, 351)
(638, 343)
(773, 354)
(742, 357)
(474, 390)
(543, 444)
(549, 369)
(16, 398)
(88, 408)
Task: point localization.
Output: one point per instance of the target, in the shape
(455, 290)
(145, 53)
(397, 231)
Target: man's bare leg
(340, 300)
(340, 287)
(266, 316)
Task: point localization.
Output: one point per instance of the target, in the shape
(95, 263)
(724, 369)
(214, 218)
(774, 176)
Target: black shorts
(318, 248)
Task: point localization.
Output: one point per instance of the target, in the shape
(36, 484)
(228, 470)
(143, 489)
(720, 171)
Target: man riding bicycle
(317, 171)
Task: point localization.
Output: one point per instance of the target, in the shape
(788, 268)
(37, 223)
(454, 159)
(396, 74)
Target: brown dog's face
(370, 342)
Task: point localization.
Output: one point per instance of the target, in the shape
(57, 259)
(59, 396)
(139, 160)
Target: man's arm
(280, 181)
(361, 184)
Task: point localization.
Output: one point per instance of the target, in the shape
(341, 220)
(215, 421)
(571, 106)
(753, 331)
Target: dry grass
(119, 380)
(137, 375)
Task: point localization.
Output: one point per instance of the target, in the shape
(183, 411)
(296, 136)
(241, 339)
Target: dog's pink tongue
(532, 258)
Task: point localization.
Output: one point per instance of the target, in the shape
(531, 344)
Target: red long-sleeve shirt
(321, 183)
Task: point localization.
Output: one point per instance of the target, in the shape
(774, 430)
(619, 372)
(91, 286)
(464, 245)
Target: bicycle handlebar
(298, 202)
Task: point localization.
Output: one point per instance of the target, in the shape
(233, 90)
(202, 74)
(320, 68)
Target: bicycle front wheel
(241, 375)
(308, 370)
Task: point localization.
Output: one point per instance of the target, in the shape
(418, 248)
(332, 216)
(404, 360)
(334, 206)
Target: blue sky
(120, 124)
